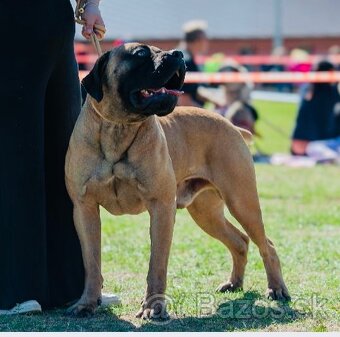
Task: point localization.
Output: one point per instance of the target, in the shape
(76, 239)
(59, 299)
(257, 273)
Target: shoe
(109, 299)
(27, 307)
(106, 300)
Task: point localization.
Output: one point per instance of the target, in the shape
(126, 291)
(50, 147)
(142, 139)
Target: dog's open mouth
(162, 95)
(158, 93)
(145, 93)
(171, 87)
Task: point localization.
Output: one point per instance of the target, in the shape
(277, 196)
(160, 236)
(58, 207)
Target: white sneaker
(110, 299)
(23, 308)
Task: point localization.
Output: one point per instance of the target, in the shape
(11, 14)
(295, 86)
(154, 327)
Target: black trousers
(40, 256)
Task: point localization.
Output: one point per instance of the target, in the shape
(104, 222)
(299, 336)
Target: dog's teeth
(146, 93)
(177, 73)
(163, 91)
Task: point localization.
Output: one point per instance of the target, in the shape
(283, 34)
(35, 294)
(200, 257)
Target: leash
(98, 29)
(275, 128)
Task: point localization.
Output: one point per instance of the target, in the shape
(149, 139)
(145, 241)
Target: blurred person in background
(195, 44)
(299, 62)
(40, 256)
(277, 52)
(317, 119)
(237, 107)
(333, 55)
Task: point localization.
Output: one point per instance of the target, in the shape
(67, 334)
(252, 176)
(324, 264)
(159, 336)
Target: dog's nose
(176, 53)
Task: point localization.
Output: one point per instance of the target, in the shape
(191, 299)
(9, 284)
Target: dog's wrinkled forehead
(123, 52)
(133, 47)
(128, 55)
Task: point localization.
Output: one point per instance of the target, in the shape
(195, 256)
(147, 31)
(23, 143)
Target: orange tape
(271, 59)
(257, 77)
(263, 77)
(244, 59)
(88, 58)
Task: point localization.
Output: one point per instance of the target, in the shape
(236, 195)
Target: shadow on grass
(57, 321)
(246, 313)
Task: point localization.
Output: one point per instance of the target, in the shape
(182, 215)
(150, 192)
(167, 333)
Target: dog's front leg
(162, 219)
(87, 223)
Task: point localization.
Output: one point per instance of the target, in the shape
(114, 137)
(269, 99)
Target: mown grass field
(275, 125)
(301, 209)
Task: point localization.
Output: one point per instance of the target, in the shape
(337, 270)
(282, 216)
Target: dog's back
(196, 137)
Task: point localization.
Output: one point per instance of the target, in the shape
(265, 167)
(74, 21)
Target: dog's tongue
(172, 92)
(162, 90)
(167, 91)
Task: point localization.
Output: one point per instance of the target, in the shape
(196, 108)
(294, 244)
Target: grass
(301, 208)
(275, 125)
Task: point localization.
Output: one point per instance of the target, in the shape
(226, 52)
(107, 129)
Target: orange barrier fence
(87, 59)
(263, 77)
(271, 59)
(258, 77)
(243, 59)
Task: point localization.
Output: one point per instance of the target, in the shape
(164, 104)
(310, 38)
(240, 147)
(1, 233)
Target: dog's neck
(114, 116)
(114, 138)
(95, 109)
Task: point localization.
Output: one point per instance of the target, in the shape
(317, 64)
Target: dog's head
(136, 80)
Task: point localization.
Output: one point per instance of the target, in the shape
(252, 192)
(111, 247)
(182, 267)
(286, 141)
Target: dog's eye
(143, 52)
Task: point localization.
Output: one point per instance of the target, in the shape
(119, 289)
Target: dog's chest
(115, 187)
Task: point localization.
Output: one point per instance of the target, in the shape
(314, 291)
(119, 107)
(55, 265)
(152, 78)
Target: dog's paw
(229, 286)
(278, 293)
(155, 310)
(81, 310)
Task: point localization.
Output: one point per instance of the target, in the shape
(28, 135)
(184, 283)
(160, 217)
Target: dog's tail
(247, 135)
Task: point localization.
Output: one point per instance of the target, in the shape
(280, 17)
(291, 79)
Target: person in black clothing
(40, 256)
(195, 43)
(316, 119)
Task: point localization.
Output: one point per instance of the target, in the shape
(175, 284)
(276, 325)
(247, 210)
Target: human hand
(92, 17)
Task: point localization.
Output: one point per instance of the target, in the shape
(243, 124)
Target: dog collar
(107, 120)
(98, 112)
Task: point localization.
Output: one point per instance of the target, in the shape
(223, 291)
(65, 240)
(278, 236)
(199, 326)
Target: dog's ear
(94, 81)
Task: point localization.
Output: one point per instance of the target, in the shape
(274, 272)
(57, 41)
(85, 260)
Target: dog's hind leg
(238, 189)
(251, 221)
(208, 212)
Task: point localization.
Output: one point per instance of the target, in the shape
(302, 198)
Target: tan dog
(128, 160)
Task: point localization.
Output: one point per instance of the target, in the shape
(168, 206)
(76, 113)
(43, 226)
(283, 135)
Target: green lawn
(275, 125)
(301, 209)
